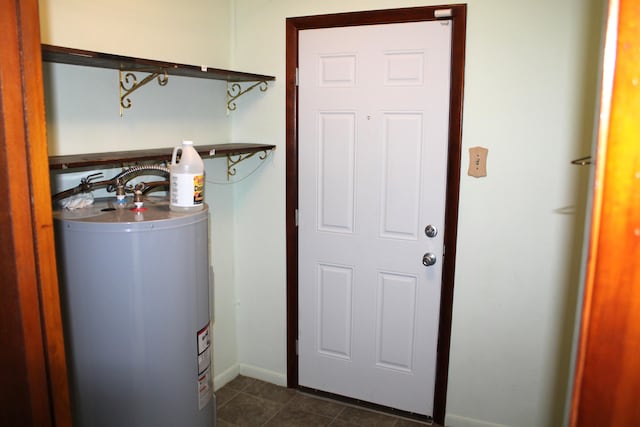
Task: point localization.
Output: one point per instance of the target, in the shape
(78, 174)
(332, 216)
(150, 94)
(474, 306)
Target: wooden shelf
(77, 161)
(87, 58)
(65, 55)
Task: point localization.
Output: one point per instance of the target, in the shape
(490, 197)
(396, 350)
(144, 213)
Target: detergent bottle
(186, 179)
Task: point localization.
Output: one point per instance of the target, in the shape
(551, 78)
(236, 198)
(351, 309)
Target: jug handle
(174, 154)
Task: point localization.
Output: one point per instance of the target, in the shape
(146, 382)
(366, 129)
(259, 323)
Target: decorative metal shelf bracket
(234, 159)
(235, 91)
(129, 84)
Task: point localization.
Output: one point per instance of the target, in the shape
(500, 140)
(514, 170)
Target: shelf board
(65, 55)
(76, 161)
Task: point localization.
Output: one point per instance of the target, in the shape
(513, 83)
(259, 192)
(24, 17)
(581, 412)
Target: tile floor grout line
(272, 417)
(338, 414)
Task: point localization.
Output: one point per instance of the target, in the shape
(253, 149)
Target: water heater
(135, 299)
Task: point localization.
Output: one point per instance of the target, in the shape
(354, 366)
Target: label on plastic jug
(187, 189)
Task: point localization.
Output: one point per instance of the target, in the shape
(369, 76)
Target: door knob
(428, 259)
(431, 231)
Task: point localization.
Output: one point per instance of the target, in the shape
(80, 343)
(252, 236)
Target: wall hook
(582, 161)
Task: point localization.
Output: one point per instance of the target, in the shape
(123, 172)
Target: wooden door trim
(32, 362)
(607, 373)
(415, 14)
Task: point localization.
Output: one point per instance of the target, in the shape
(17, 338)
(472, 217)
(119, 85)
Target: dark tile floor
(250, 402)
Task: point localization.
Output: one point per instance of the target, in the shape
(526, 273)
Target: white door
(373, 134)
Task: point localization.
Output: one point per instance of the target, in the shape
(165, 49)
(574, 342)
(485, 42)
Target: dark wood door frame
(416, 14)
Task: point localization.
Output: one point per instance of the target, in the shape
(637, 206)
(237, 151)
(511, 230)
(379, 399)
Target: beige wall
(529, 97)
(192, 32)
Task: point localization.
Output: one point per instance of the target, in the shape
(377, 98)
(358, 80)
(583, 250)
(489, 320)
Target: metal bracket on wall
(129, 84)
(582, 161)
(235, 91)
(234, 159)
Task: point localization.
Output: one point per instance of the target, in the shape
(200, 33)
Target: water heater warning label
(204, 389)
(204, 364)
(204, 360)
(204, 353)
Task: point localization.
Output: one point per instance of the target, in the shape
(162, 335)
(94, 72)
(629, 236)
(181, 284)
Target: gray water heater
(135, 298)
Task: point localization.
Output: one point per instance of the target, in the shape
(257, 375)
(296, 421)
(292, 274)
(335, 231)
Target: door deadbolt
(428, 259)
(431, 231)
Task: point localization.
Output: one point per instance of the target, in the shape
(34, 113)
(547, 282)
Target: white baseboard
(225, 377)
(250, 371)
(272, 377)
(451, 420)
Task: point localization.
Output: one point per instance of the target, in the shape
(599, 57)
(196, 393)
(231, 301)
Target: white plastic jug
(186, 179)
